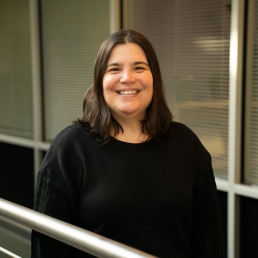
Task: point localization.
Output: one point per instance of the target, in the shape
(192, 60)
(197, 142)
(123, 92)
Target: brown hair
(97, 118)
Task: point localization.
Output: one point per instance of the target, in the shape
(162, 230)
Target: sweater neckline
(136, 146)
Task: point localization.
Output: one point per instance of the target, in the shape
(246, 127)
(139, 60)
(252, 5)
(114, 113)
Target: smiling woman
(125, 170)
(126, 62)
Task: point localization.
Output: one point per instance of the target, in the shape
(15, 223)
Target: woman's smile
(128, 92)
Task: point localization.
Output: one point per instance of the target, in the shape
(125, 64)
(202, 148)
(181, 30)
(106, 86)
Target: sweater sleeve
(59, 181)
(207, 238)
(53, 199)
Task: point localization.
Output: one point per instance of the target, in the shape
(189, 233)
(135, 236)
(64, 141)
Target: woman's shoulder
(71, 134)
(71, 131)
(186, 136)
(71, 140)
(180, 129)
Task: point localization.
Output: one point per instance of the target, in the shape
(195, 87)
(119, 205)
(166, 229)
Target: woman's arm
(207, 238)
(53, 199)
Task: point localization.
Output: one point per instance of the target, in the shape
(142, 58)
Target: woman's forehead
(128, 51)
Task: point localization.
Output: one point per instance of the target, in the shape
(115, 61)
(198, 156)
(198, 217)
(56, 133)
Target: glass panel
(223, 201)
(17, 174)
(251, 123)
(191, 39)
(15, 240)
(15, 69)
(72, 34)
(248, 227)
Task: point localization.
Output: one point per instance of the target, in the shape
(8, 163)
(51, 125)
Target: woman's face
(128, 82)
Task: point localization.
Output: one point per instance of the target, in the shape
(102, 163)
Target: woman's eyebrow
(140, 62)
(113, 64)
(134, 63)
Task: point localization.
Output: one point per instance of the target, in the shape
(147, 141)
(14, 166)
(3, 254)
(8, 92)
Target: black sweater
(158, 196)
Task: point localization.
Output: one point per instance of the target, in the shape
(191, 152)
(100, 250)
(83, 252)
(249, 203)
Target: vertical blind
(191, 39)
(72, 32)
(15, 69)
(251, 122)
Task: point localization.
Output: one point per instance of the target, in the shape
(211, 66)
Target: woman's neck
(132, 132)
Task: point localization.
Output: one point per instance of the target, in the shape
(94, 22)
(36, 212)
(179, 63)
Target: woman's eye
(114, 70)
(139, 68)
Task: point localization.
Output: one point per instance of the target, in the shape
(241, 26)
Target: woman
(125, 170)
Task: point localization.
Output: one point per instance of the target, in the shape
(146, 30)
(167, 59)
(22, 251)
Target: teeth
(127, 92)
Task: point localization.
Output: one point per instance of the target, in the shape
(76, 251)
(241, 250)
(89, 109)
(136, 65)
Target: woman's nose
(127, 77)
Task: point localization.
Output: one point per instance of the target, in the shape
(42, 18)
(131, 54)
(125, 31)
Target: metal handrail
(77, 237)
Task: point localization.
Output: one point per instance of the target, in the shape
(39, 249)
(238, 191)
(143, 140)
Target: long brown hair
(97, 118)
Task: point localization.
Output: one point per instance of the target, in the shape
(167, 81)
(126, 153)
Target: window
(251, 123)
(72, 34)
(15, 69)
(191, 39)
